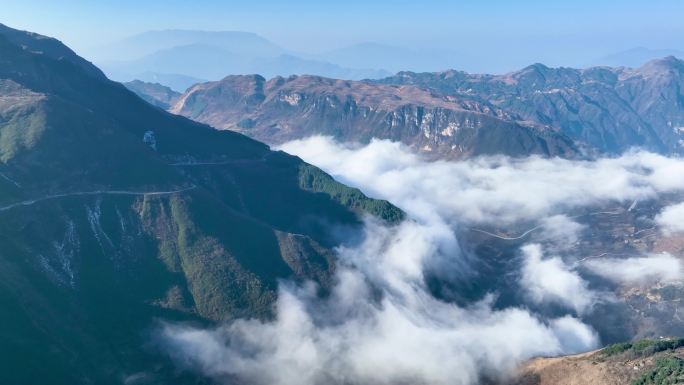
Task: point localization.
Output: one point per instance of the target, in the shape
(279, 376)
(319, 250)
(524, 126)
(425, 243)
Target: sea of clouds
(382, 325)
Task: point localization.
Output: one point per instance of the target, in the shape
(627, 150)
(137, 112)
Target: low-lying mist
(383, 325)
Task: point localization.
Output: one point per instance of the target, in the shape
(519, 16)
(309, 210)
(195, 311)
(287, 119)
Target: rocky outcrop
(453, 114)
(606, 109)
(283, 109)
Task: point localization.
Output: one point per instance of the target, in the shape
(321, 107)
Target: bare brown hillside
(640, 364)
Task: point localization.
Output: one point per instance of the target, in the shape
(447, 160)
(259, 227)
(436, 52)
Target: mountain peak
(669, 61)
(536, 67)
(48, 46)
(636, 57)
(666, 64)
(253, 77)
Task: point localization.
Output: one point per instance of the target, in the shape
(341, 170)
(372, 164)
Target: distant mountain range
(608, 110)
(181, 58)
(176, 82)
(284, 109)
(452, 114)
(138, 46)
(115, 214)
(175, 57)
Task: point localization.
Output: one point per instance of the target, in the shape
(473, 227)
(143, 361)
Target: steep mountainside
(284, 109)
(115, 216)
(176, 82)
(646, 362)
(154, 93)
(609, 109)
(452, 114)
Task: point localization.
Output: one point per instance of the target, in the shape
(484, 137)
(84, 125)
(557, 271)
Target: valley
(648, 308)
(326, 222)
(428, 113)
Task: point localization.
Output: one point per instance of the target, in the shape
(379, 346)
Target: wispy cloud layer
(671, 219)
(550, 280)
(662, 267)
(381, 323)
(406, 336)
(491, 189)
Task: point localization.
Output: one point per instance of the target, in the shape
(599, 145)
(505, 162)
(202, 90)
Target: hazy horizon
(496, 37)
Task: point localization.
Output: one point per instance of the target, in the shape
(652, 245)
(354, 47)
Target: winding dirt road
(527, 232)
(96, 192)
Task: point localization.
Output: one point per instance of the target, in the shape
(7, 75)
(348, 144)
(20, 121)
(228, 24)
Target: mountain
(452, 114)
(146, 43)
(607, 109)
(283, 109)
(48, 47)
(154, 93)
(176, 82)
(645, 362)
(166, 55)
(208, 62)
(116, 216)
(636, 57)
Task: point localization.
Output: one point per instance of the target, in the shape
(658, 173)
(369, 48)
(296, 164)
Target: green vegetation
(615, 349)
(20, 128)
(86, 279)
(642, 348)
(314, 179)
(667, 371)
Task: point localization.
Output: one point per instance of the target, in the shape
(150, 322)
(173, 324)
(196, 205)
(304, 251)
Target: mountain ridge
(115, 215)
(610, 109)
(212, 55)
(283, 109)
(635, 57)
(548, 111)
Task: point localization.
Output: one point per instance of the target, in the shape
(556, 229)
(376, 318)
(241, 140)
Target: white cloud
(574, 335)
(671, 218)
(491, 189)
(560, 231)
(381, 325)
(408, 336)
(550, 280)
(404, 336)
(655, 268)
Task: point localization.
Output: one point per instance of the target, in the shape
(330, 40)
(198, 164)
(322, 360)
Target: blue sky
(520, 31)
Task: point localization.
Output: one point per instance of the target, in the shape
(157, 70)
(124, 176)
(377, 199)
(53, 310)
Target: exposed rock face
(284, 109)
(607, 109)
(452, 114)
